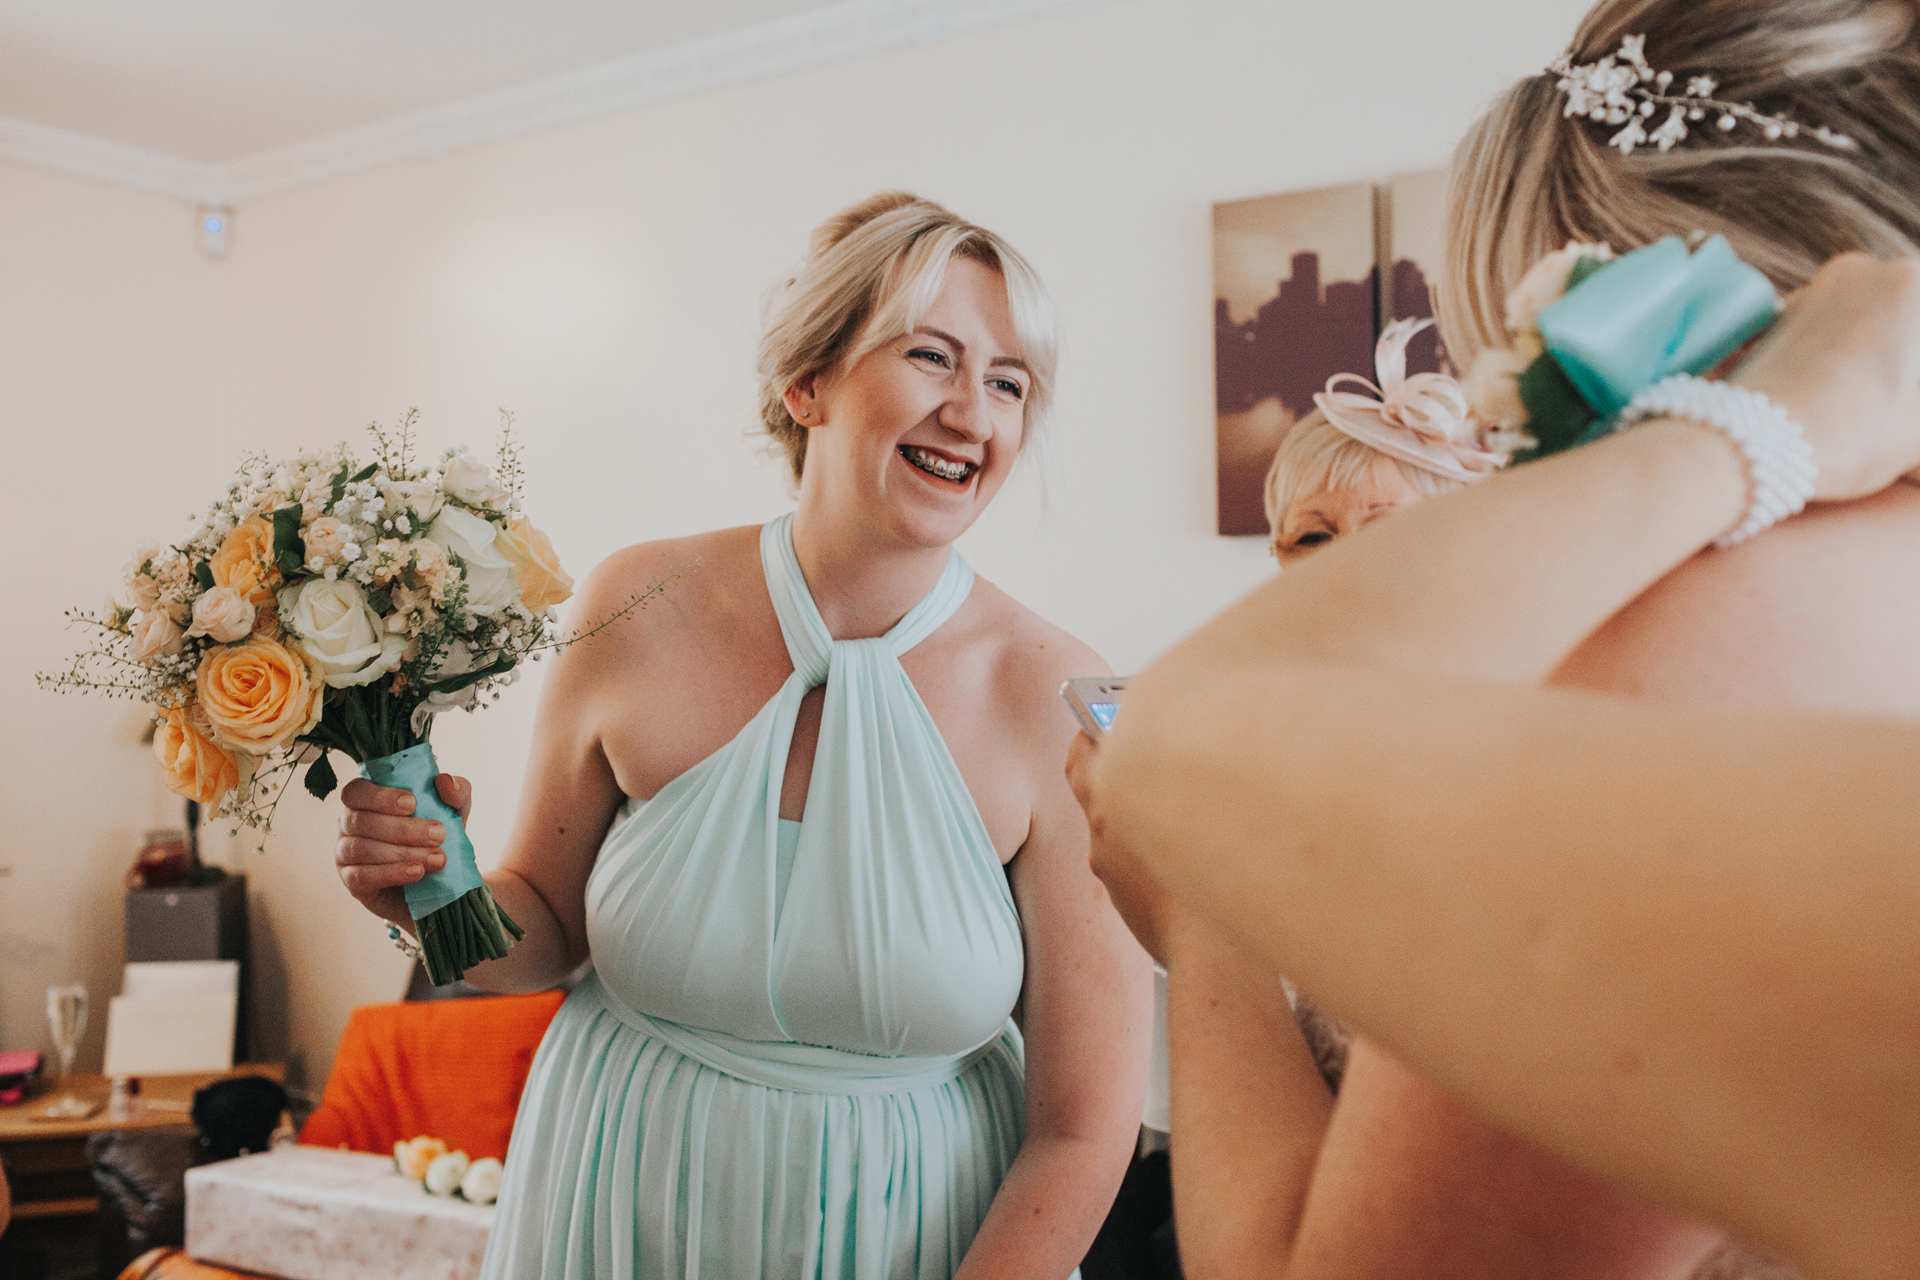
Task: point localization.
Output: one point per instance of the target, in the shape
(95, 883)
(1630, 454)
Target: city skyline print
(1298, 299)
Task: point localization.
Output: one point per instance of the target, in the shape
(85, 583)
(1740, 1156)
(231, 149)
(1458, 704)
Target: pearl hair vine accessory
(1624, 89)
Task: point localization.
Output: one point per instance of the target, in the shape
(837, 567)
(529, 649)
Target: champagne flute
(67, 1020)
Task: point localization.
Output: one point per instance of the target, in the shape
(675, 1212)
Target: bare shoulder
(1030, 659)
(682, 586)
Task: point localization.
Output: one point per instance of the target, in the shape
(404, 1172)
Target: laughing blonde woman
(809, 825)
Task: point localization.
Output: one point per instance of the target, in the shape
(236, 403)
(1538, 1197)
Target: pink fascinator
(1422, 421)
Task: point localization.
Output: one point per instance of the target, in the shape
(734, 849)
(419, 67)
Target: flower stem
(467, 931)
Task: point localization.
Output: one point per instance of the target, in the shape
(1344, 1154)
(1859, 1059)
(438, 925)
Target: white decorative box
(309, 1213)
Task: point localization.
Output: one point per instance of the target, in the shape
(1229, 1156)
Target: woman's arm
(1674, 947)
(1087, 1006)
(1250, 1109)
(566, 804)
(1563, 908)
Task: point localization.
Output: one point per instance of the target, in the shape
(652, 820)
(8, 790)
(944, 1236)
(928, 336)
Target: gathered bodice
(883, 926)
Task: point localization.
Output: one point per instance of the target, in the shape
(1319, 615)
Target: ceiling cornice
(90, 157)
(776, 48)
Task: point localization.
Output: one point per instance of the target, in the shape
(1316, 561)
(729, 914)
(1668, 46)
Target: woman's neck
(861, 585)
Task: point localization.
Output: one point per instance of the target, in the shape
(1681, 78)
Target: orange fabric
(449, 1069)
(172, 1264)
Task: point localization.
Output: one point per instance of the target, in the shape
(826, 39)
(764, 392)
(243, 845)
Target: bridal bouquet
(1588, 331)
(325, 603)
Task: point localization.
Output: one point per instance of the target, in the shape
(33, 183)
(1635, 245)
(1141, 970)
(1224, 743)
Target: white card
(180, 978)
(170, 1035)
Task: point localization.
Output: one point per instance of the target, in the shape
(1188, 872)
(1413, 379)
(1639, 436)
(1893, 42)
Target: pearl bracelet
(408, 947)
(1780, 468)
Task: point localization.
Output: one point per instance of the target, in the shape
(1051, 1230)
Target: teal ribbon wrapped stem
(414, 770)
(1656, 312)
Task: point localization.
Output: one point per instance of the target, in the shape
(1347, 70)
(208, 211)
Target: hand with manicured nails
(383, 848)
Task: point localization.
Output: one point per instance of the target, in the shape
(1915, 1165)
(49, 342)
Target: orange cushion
(449, 1069)
(173, 1264)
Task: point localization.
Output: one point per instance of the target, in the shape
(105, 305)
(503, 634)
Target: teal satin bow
(1655, 312)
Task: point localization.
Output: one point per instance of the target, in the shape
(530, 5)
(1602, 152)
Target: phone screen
(1104, 712)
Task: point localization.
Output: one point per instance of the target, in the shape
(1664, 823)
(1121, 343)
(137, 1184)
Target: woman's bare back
(1821, 614)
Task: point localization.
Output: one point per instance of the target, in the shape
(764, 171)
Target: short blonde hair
(1317, 457)
(871, 273)
(1527, 179)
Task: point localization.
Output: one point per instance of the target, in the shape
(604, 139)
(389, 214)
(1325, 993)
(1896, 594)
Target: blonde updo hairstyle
(871, 273)
(1315, 457)
(1527, 179)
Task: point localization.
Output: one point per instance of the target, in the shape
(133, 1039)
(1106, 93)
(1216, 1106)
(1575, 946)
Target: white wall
(604, 282)
(107, 317)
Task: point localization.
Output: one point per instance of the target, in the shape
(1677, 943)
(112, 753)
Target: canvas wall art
(1412, 209)
(1303, 284)
(1296, 300)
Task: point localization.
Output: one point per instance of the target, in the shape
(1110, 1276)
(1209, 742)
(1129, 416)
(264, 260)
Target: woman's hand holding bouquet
(324, 604)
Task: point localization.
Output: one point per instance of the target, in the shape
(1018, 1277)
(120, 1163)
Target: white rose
(222, 614)
(156, 635)
(491, 582)
(481, 1184)
(336, 627)
(444, 1174)
(326, 538)
(420, 499)
(471, 482)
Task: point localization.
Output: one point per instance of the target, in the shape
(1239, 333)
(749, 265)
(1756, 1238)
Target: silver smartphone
(1095, 701)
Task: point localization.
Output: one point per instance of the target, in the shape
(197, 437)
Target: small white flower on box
(481, 1185)
(444, 1174)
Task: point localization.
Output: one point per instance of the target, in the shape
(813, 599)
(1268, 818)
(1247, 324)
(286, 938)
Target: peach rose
(222, 614)
(431, 568)
(245, 561)
(326, 538)
(543, 583)
(419, 499)
(143, 588)
(414, 1156)
(156, 635)
(1545, 284)
(195, 765)
(258, 695)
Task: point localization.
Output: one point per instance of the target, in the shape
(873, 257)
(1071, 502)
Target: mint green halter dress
(793, 1058)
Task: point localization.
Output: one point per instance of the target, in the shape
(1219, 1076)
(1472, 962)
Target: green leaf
(364, 473)
(1557, 416)
(1584, 269)
(381, 599)
(353, 710)
(339, 485)
(203, 574)
(289, 551)
(453, 684)
(320, 778)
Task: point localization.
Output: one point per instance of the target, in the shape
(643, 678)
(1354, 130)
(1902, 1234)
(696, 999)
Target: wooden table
(46, 1160)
